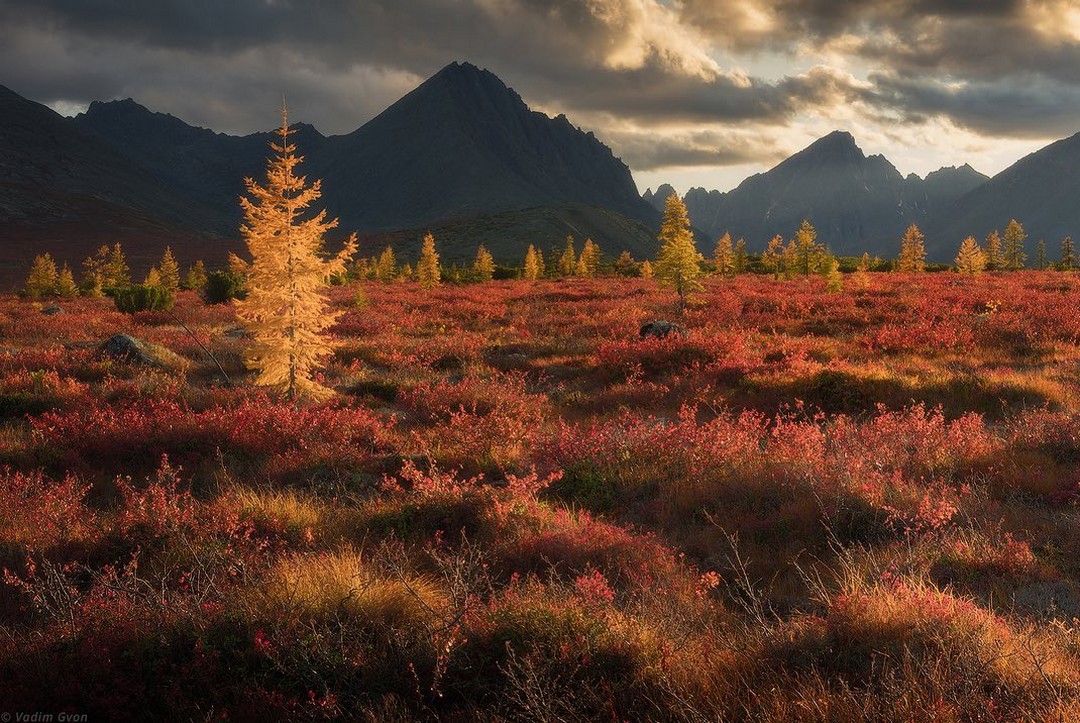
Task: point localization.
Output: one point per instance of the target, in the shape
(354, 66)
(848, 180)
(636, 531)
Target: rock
(52, 310)
(237, 333)
(128, 349)
(660, 330)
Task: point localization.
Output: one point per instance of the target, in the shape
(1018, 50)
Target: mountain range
(863, 203)
(464, 156)
(461, 154)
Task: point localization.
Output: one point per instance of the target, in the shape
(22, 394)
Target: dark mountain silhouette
(64, 191)
(1041, 190)
(460, 148)
(856, 202)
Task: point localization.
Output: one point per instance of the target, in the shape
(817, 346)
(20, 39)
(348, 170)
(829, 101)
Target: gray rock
(128, 349)
(52, 310)
(237, 333)
(660, 330)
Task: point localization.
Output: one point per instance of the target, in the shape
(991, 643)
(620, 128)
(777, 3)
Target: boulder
(238, 332)
(128, 349)
(52, 310)
(660, 330)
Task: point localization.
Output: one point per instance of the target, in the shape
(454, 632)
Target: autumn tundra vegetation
(472, 492)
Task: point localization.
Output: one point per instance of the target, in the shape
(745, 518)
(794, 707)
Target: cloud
(698, 77)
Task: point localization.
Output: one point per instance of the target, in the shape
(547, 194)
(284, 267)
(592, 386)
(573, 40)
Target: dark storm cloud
(223, 64)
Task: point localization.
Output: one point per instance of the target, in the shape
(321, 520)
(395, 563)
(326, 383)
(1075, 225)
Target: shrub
(224, 286)
(143, 297)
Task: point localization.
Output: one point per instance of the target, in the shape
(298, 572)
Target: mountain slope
(1041, 190)
(464, 143)
(460, 145)
(854, 201)
(64, 191)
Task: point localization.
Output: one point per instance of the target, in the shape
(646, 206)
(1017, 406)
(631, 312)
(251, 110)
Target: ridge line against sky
(690, 92)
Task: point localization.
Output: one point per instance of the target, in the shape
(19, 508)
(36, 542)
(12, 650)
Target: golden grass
(322, 585)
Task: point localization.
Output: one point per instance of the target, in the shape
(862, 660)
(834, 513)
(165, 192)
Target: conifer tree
(386, 268)
(484, 265)
(1040, 255)
(42, 278)
(646, 270)
(568, 260)
(169, 271)
(153, 278)
(589, 259)
(830, 269)
(992, 251)
(117, 273)
(1013, 256)
(285, 309)
(809, 252)
(427, 268)
(65, 283)
(912, 258)
(678, 265)
(773, 257)
(196, 276)
(625, 265)
(861, 277)
(105, 269)
(971, 259)
(93, 283)
(580, 269)
(740, 259)
(534, 264)
(405, 273)
(790, 262)
(724, 256)
(1067, 258)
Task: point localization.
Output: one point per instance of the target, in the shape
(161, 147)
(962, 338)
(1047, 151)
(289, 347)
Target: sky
(689, 92)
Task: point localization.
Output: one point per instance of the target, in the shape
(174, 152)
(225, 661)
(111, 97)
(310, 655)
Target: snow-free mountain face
(857, 202)
(461, 153)
(1041, 190)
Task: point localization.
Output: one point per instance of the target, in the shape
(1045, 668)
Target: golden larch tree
(484, 265)
(534, 264)
(169, 271)
(286, 311)
(678, 265)
(646, 269)
(970, 259)
(568, 260)
(740, 257)
(724, 256)
(428, 272)
(992, 250)
(589, 260)
(153, 277)
(912, 259)
(65, 283)
(386, 268)
(1012, 253)
(773, 256)
(196, 276)
(809, 252)
(42, 278)
(1067, 258)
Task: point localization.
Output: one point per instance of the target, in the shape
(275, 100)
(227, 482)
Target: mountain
(460, 148)
(63, 191)
(659, 198)
(196, 162)
(1040, 190)
(856, 202)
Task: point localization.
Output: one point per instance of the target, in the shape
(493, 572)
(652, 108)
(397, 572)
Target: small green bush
(141, 297)
(224, 286)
